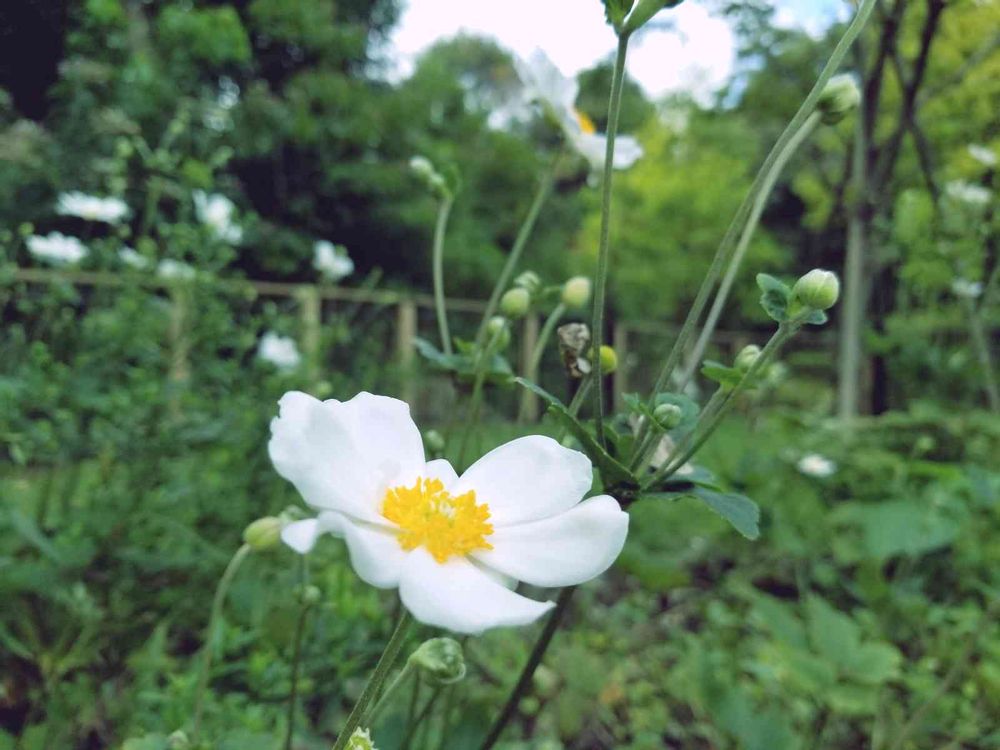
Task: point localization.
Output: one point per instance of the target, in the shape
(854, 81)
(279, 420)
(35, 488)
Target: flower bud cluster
(424, 169)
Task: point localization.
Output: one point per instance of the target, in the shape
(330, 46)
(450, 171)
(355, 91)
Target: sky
(697, 56)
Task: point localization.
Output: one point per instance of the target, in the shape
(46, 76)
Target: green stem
(420, 719)
(524, 680)
(604, 246)
(517, 249)
(438, 269)
(756, 209)
(378, 677)
(476, 400)
(982, 347)
(723, 252)
(300, 627)
(372, 716)
(206, 654)
(543, 339)
(581, 394)
(449, 699)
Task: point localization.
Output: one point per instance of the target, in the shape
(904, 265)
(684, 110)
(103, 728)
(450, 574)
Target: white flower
(57, 248)
(966, 288)
(92, 208)
(216, 212)
(454, 546)
(131, 257)
(280, 351)
(967, 192)
(557, 94)
(815, 465)
(983, 154)
(332, 260)
(175, 269)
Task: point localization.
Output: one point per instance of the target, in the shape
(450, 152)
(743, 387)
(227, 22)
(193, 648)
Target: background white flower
(815, 465)
(332, 261)
(454, 546)
(967, 192)
(966, 288)
(91, 207)
(131, 257)
(983, 154)
(280, 351)
(169, 268)
(216, 212)
(57, 248)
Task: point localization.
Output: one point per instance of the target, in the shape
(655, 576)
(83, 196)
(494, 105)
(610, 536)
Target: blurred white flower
(557, 94)
(280, 351)
(131, 257)
(967, 289)
(454, 546)
(92, 208)
(983, 154)
(175, 269)
(57, 248)
(216, 212)
(332, 260)
(967, 192)
(815, 465)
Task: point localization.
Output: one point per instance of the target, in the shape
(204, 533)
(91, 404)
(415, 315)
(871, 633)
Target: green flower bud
(263, 534)
(361, 740)
(441, 660)
(515, 302)
(434, 441)
(308, 595)
(668, 416)
(818, 289)
(576, 293)
(499, 331)
(609, 360)
(178, 741)
(747, 356)
(422, 167)
(529, 281)
(839, 97)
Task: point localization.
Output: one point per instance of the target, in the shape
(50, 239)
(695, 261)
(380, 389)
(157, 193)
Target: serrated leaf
(775, 298)
(740, 511)
(612, 472)
(726, 376)
(832, 633)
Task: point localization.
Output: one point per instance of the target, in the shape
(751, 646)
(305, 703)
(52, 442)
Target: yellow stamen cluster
(586, 124)
(430, 517)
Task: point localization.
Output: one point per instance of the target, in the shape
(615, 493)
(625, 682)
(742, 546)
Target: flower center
(429, 517)
(586, 124)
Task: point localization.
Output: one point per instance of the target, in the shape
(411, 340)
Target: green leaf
(616, 10)
(816, 318)
(775, 298)
(832, 633)
(873, 663)
(30, 532)
(463, 363)
(727, 377)
(741, 512)
(612, 472)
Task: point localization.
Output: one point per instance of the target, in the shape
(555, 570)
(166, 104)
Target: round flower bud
(839, 97)
(609, 360)
(178, 741)
(515, 302)
(747, 356)
(309, 595)
(576, 292)
(361, 739)
(668, 416)
(441, 660)
(529, 281)
(422, 167)
(818, 289)
(498, 331)
(264, 533)
(434, 441)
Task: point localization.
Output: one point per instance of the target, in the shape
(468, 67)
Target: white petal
(375, 553)
(441, 469)
(527, 479)
(591, 147)
(627, 151)
(301, 536)
(564, 550)
(343, 456)
(458, 596)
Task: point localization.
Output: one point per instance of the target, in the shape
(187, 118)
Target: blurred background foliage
(865, 616)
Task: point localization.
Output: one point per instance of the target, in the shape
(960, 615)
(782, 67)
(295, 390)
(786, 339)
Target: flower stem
(378, 677)
(722, 254)
(476, 400)
(535, 358)
(604, 246)
(524, 681)
(419, 720)
(520, 242)
(438, 269)
(300, 627)
(372, 716)
(206, 654)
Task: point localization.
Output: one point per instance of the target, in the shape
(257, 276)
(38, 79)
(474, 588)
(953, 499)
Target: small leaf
(741, 512)
(816, 318)
(775, 298)
(727, 377)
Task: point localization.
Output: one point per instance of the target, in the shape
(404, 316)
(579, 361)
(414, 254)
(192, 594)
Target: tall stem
(723, 252)
(476, 400)
(378, 677)
(604, 246)
(300, 628)
(982, 346)
(759, 201)
(517, 249)
(438, 269)
(524, 680)
(206, 654)
(543, 339)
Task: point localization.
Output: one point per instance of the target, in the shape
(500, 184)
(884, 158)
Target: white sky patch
(696, 56)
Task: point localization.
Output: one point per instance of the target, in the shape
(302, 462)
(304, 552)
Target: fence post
(619, 382)
(310, 317)
(406, 332)
(528, 411)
